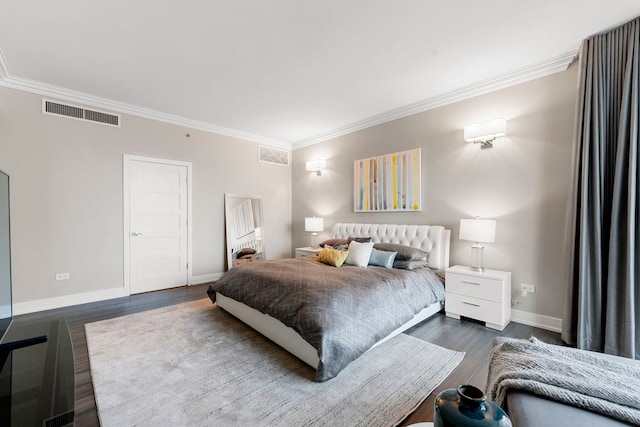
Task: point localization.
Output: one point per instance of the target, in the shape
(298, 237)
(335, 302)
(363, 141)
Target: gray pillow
(359, 239)
(410, 265)
(405, 253)
(244, 252)
(331, 242)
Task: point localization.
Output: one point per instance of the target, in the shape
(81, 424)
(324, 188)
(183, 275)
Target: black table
(37, 380)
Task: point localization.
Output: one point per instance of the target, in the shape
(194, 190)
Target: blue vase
(467, 406)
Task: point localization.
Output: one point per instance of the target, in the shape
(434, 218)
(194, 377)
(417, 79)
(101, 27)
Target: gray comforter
(341, 311)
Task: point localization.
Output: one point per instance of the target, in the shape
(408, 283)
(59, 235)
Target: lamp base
(313, 240)
(477, 261)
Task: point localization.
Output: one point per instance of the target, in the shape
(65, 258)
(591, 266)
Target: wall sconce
(485, 132)
(313, 224)
(316, 166)
(478, 230)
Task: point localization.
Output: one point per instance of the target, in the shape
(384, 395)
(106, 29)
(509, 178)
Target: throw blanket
(579, 378)
(341, 311)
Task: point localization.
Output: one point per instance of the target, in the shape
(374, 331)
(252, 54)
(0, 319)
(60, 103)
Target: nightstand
(307, 251)
(482, 296)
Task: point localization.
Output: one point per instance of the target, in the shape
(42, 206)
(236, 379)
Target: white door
(158, 254)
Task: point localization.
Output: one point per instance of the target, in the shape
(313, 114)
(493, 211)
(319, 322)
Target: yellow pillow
(332, 257)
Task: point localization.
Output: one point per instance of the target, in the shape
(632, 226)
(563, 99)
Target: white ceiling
(288, 72)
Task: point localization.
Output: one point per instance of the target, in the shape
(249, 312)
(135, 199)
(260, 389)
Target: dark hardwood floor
(461, 335)
(476, 341)
(77, 316)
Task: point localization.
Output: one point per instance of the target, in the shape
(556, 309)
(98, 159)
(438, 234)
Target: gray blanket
(341, 311)
(579, 378)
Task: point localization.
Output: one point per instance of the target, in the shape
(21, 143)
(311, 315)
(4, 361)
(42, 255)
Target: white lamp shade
(316, 165)
(486, 130)
(478, 230)
(313, 224)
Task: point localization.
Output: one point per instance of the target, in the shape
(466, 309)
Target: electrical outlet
(62, 276)
(527, 289)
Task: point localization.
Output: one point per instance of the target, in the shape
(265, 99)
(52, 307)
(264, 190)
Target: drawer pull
(470, 303)
(471, 283)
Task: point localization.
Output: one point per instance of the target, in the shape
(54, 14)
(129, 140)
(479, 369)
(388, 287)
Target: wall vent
(273, 155)
(75, 112)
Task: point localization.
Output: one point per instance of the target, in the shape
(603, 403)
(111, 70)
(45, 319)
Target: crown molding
(535, 71)
(541, 69)
(77, 97)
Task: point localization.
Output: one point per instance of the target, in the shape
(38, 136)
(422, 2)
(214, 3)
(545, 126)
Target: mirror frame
(230, 226)
(6, 305)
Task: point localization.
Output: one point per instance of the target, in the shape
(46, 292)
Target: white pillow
(359, 253)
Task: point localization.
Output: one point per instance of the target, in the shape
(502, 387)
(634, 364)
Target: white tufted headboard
(434, 239)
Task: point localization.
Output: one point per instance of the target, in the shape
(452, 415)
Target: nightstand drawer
(475, 308)
(304, 254)
(308, 251)
(474, 286)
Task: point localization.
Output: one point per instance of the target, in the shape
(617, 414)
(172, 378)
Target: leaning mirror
(244, 229)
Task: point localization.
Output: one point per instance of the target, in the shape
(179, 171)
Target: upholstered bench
(529, 410)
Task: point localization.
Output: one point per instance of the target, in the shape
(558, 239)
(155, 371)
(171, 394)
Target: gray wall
(67, 187)
(66, 178)
(523, 182)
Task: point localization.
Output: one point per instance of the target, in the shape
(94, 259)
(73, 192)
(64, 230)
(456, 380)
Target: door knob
(136, 234)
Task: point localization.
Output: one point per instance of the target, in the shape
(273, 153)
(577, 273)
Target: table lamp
(479, 231)
(313, 224)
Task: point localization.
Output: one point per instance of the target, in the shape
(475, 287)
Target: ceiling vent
(273, 155)
(75, 112)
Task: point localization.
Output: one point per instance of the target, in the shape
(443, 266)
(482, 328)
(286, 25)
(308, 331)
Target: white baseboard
(537, 320)
(205, 278)
(87, 297)
(67, 300)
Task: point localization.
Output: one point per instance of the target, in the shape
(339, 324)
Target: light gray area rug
(193, 364)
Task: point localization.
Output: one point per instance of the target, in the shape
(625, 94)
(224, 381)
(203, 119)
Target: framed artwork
(388, 183)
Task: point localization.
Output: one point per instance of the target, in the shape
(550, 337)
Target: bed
(329, 316)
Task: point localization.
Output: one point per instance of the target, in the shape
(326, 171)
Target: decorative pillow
(410, 265)
(359, 253)
(340, 246)
(382, 258)
(332, 257)
(245, 251)
(359, 239)
(405, 253)
(331, 242)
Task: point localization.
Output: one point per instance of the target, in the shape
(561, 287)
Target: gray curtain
(603, 305)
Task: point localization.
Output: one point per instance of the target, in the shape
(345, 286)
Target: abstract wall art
(388, 183)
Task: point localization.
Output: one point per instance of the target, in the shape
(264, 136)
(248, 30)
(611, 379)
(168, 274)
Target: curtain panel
(603, 304)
